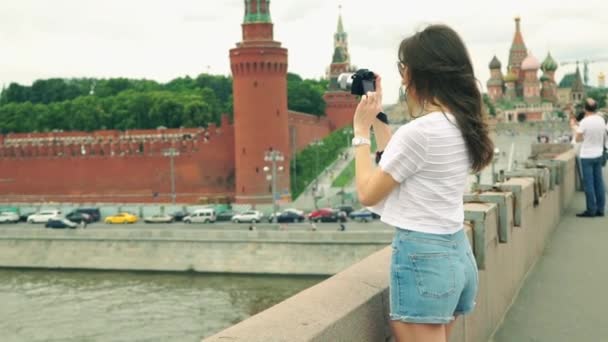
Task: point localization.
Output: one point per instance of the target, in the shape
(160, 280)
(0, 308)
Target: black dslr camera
(358, 83)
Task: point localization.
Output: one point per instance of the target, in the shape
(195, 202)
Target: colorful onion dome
(549, 64)
(530, 63)
(495, 63)
(510, 77)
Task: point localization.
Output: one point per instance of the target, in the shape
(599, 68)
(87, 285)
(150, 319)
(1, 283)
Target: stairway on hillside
(323, 182)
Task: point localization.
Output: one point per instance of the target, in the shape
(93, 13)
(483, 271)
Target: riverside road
(350, 225)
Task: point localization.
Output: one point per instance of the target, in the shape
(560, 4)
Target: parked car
(225, 216)
(292, 210)
(290, 216)
(327, 215)
(346, 208)
(78, 217)
(362, 215)
(93, 212)
(201, 216)
(159, 218)
(122, 218)
(44, 216)
(253, 216)
(178, 216)
(9, 217)
(60, 223)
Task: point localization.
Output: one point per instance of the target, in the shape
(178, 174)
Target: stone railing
(508, 227)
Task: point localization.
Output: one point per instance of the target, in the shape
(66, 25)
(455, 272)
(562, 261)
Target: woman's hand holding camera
(369, 106)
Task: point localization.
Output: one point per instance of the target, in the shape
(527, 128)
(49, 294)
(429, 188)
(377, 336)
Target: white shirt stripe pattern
(429, 158)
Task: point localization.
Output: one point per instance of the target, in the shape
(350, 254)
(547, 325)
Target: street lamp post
(494, 161)
(317, 144)
(171, 152)
(273, 157)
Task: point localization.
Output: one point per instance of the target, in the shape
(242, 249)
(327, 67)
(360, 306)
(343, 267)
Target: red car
(327, 215)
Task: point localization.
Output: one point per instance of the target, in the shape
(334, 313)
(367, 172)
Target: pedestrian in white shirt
(591, 133)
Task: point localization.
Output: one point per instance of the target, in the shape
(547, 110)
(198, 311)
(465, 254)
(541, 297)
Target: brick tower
(495, 83)
(531, 85)
(517, 54)
(259, 69)
(549, 89)
(340, 105)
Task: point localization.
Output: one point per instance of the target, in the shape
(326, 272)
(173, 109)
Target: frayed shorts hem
(421, 320)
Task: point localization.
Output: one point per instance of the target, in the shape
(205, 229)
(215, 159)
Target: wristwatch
(360, 141)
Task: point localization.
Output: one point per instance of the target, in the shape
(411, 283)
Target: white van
(201, 216)
(44, 216)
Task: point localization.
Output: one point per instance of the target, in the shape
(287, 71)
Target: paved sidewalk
(565, 298)
(306, 200)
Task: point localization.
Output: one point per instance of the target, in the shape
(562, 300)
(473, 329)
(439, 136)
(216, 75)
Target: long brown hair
(440, 70)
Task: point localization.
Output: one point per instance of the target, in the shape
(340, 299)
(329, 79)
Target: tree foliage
(491, 109)
(311, 161)
(119, 103)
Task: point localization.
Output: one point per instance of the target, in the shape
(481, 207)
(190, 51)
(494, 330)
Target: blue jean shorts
(433, 277)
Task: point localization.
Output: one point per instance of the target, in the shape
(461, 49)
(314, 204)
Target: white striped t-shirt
(428, 157)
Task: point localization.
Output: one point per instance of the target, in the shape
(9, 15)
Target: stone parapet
(353, 305)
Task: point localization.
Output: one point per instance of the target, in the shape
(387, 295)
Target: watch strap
(360, 141)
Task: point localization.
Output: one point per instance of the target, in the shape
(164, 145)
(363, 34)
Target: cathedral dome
(495, 63)
(510, 77)
(549, 64)
(530, 63)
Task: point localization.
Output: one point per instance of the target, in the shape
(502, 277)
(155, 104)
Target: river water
(116, 306)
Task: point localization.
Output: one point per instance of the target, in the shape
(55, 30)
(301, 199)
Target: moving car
(93, 212)
(201, 216)
(79, 217)
(253, 216)
(60, 223)
(159, 218)
(290, 216)
(178, 216)
(9, 217)
(44, 216)
(327, 215)
(292, 210)
(225, 216)
(121, 218)
(362, 215)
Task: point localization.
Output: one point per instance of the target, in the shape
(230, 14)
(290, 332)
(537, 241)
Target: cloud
(161, 40)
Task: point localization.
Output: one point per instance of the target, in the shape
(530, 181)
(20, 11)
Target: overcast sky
(161, 39)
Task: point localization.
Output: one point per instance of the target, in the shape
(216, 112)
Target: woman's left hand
(369, 106)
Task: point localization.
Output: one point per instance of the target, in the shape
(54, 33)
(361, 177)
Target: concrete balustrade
(211, 251)
(353, 304)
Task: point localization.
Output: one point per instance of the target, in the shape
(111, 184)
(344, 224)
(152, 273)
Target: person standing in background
(591, 133)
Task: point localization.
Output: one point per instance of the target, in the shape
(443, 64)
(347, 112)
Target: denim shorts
(433, 277)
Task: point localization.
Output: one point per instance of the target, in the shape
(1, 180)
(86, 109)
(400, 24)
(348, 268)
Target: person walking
(591, 133)
(419, 184)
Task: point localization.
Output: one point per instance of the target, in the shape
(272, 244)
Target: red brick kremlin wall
(43, 167)
(113, 167)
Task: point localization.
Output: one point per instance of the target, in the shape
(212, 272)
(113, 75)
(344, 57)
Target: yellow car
(121, 218)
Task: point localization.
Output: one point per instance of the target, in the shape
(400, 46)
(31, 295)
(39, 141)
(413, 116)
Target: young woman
(419, 184)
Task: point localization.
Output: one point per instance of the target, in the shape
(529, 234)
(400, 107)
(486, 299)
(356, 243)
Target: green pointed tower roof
(257, 11)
